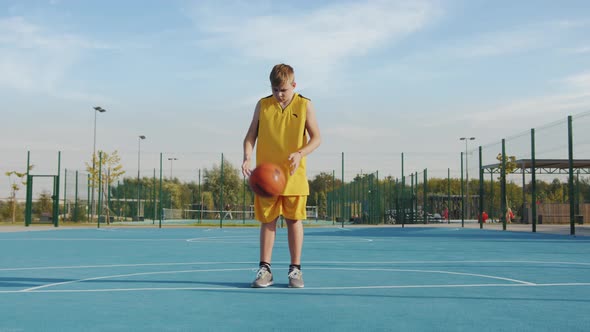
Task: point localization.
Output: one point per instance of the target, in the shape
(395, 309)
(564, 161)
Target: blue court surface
(361, 279)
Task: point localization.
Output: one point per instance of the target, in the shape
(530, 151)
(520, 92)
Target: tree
(15, 186)
(322, 205)
(44, 203)
(180, 194)
(111, 169)
(231, 184)
(319, 187)
(510, 164)
(323, 183)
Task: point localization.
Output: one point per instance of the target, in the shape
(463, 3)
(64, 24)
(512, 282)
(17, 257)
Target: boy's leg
(268, 233)
(294, 212)
(295, 230)
(295, 236)
(267, 239)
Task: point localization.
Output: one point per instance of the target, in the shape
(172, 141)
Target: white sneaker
(263, 278)
(295, 278)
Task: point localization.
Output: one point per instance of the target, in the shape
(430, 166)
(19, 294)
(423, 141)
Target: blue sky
(385, 76)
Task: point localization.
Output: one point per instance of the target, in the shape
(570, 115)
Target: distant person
(228, 214)
(280, 128)
(509, 216)
(446, 214)
(484, 217)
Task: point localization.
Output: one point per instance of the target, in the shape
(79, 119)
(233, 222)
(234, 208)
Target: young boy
(280, 126)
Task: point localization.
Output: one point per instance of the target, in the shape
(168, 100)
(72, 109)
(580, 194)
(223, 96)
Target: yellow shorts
(291, 207)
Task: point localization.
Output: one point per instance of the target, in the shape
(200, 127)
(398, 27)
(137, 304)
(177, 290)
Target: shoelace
(295, 274)
(261, 272)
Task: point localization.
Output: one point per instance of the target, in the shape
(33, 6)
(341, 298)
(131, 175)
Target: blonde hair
(281, 74)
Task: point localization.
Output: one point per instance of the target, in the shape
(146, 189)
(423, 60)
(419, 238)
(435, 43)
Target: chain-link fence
(539, 176)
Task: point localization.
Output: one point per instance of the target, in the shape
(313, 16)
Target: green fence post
(161, 205)
(424, 204)
(200, 199)
(492, 207)
(99, 189)
(56, 192)
(29, 200)
(342, 193)
(413, 211)
(570, 143)
(462, 195)
(534, 181)
(503, 186)
(88, 200)
(108, 195)
(221, 206)
(76, 200)
(416, 198)
(155, 199)
(481, 191)
(65, 192)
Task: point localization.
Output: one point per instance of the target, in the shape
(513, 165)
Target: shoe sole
(295, 286)
(261, 286)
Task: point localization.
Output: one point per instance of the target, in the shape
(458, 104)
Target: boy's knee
(292, 221)
(272, 225)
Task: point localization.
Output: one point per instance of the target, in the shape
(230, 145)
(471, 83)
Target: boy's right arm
(250, 140)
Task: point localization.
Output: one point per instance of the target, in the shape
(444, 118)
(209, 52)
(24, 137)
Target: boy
(281, 124)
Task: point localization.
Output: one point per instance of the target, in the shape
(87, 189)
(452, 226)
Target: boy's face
(284, 93)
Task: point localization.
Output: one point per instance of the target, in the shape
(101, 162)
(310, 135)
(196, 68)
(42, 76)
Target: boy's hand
(246, 171)
(295, 159)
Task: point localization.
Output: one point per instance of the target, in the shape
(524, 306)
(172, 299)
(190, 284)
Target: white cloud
(35, 59)
(323, 37)
(571, 96)
(580, 50)
(505, 119)
(580, 81)
(516, 39)
(572, 23)
(19, 33)
(510, 41)
(359, 132)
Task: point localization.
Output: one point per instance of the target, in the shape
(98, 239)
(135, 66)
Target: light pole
(97, 109)
(141, 137)
(171, 160)
(467, 139)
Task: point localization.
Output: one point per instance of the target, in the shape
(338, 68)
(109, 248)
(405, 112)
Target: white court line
(215, 239)
(294, 290)
(225, 270)
(120, 265)
(89, 239)
(286, 262)
(127, 275)
(244, 239)
(430, 271)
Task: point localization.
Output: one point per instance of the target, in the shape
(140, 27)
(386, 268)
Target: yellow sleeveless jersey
(280, 133)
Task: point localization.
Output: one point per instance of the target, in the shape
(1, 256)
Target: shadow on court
(35, 282)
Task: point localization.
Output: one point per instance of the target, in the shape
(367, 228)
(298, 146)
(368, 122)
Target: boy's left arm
(313, 130)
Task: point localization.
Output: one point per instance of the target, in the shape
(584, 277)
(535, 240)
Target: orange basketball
(267, 180)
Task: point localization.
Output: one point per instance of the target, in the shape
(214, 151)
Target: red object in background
(484, 216)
